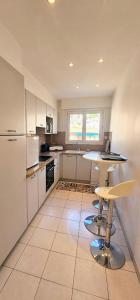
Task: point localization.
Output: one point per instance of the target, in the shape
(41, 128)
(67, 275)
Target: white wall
(125, 127)
(65, 105)
(11, 51)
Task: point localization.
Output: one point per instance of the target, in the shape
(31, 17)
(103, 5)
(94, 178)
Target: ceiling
(78, 31)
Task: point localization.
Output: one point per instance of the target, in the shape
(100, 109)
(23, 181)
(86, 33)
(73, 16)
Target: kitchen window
(85, 127)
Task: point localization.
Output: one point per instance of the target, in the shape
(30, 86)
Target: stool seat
(103, 192)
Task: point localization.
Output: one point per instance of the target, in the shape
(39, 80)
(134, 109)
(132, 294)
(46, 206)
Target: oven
(49, 175)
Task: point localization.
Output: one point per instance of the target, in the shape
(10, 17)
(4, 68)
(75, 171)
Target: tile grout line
(76, 255)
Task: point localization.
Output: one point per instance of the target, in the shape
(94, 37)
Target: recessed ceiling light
(77, 87)
(97, 85)
(71, 64)
(51, 1)
(101, 60)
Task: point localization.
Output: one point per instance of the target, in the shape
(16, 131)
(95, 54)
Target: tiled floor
(52, 261)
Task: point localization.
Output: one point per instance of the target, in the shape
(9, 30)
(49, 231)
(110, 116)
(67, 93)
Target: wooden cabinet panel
(30, 113)
(40, 113)
(32, 196)
(69, 166)
(83, 170)
(42, 185)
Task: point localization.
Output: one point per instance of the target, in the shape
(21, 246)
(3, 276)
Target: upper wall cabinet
(30, 113)
(49, 111)
(12, 100)
(40, 113)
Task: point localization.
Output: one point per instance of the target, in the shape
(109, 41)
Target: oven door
(49, 175)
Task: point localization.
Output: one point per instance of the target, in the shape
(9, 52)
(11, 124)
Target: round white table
(103, 165)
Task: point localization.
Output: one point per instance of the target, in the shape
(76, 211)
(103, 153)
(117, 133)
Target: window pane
(93, 127)
(76, 125)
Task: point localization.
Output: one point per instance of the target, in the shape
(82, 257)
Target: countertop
(36, 168)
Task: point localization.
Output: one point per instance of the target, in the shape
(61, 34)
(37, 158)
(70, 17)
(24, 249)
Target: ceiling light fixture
(51, 1)
(77, 87)
(101, 60)
(71, 64)
(97, 85)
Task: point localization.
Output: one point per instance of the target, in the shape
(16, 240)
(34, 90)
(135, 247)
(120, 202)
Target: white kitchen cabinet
(42, 185)
(83, 168)
(30, 113)
(69, 166)
(40, 113)
(49, 111)
(12, 100)
(55, 121)
(13, 204)
(32, 196)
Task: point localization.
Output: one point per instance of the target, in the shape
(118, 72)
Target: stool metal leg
(106, 253)
(97, 224)
(96, 204)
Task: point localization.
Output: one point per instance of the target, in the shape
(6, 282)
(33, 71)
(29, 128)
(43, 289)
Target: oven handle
(51, 169)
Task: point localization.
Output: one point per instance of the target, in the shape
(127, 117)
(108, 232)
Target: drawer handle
(12, 140)
(31, 131)
(11, 130)
(41, 125)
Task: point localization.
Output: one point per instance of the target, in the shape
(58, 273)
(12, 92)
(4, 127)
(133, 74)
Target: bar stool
(104, 202)
(96, 224)
(105, 252)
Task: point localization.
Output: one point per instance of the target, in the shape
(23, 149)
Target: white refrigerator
(13, 206)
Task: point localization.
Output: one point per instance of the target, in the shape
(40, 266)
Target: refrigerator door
(13, 205)
(32, 151)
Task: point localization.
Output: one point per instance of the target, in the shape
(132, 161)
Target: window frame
(84, 112)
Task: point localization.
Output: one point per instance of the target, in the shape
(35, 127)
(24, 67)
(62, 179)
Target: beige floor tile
(20, 287)
(32, 261)
(83, 250)
(69, 227)
(4, 274)
(36, 220)
(90, 277)
(89, 197)
(73, 205)
(14, 255)
(77, 295)
(42, 238)
(61, 194)
(50, 223)
(118, 238)
(27, 235)
(123, 285)
(53, 211)
(52, 291)
(65, 243)
(71, 214)
(55, 264)
(83, 232)
(75, 196)
(57, 202)
(87, 206)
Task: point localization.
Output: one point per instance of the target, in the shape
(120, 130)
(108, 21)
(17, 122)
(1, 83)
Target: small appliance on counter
(56, 148)
(45, 147)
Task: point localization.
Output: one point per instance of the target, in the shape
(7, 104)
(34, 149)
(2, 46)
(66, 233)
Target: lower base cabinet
(32, 196)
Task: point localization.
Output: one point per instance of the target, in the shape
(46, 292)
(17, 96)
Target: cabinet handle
(12, 140)
(11, 130)
(41, 125)
(31, 131)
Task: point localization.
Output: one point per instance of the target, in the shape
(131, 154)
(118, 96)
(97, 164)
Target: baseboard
(128, 245)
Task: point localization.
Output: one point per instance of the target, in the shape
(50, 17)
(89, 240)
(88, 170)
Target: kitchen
(69, 126)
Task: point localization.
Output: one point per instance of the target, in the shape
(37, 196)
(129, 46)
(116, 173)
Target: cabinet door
(32, 196)
(49, 111)
(69, 166)
(13, 204)
(42, 185)
(12, 100)
(30, 113)
(55, 121)
(83, 171)
(40, 113)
